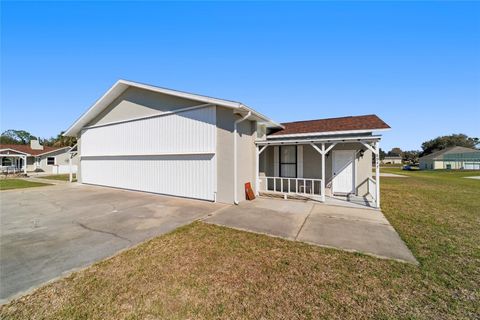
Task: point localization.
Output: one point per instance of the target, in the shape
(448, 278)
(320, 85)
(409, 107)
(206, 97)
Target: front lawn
(203, 271)
(61, 177)
(6, 184)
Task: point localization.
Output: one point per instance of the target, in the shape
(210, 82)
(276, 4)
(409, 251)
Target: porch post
(377, 173)
(257, 169)
(70, 177)
(323, 172)
(25, 164)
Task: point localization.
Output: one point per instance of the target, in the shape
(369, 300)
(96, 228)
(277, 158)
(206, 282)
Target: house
(392, 160)
(158, 140)
(35, 157)
(452, 158)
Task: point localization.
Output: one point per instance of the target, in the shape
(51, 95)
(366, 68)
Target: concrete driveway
(347, 228)
(48, 231)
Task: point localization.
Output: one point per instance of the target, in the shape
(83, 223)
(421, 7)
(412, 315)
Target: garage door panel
(187, 131)
(189, 176)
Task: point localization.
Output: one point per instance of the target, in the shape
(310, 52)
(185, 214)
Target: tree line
(431, 146)
(23, 137)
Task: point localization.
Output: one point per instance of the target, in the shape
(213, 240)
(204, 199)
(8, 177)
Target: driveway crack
(102, 231)
(304, 221)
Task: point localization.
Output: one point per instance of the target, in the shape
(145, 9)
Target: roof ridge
(175, 90)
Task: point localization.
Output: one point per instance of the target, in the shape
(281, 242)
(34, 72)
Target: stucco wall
(136, 103)
(225, 163)
(30, 163)
(61, 158)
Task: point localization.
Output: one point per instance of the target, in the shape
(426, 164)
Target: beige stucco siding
(312, 163)
(225, 163)
(224, 155)
(137, 103)
(246, 156)
(61, 158)
(30, 163)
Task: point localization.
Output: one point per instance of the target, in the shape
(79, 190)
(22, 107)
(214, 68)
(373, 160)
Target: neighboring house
(452, 158)
(36, 157)
(392, 160)
(151, 139)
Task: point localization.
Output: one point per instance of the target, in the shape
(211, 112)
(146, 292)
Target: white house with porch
(16, 158)
(320, 158)
(158, 140)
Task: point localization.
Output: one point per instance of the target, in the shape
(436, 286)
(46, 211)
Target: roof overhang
(325, 133)
(120, 86)
(317, 140)
(14, 150)
(51, 151)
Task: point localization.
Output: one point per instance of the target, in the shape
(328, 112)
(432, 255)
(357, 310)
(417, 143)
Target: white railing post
(70, 171)
(322, 188)
(286, 188)
(257, 169)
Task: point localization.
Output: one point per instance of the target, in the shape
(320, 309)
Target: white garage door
(170, 154)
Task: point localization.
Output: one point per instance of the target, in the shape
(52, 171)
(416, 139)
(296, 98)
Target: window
(51, 161)
(288, 161)
(6, 162)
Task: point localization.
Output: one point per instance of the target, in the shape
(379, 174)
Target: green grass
(202, 271)
(61, 177)
(6, 184)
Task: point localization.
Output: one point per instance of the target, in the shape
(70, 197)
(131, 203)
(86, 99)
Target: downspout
(235, 169)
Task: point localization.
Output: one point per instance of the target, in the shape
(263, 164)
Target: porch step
(281, 196)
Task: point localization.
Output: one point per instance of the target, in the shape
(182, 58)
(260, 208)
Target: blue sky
(415, 64)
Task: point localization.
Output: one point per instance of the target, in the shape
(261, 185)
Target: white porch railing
(301, 186)
(372, 187)
(9, 169)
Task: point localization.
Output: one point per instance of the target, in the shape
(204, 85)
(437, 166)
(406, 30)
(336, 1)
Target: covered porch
(13, 162)
(336, 170)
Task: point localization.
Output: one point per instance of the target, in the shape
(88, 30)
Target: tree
(382, 154)
(60, 141)
(452, 140)
(411, 157)
(16, 137)
(395, 152)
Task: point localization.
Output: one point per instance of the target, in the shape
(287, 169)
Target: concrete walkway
(346, 228)
(391, 175)
(475, 177)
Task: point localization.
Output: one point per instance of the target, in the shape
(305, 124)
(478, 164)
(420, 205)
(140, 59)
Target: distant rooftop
(439, 155)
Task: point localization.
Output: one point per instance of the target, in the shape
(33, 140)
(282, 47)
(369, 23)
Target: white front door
(343, 166)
